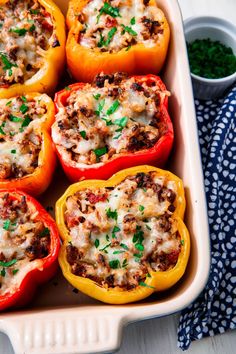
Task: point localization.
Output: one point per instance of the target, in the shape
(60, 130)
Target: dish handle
(65, 333)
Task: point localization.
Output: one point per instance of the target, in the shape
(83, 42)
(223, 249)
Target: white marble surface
(159, 335)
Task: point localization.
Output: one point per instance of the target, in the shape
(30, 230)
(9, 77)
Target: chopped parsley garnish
(14, 118)
(100, 107)
(101, 41)
(118, 252)
(115, 229)
(114, 264)
(110, 35)
(138, 255)
(96, 243)
(32, 28)
(15, 271)
(109, 10)
(44, 232)
(139, 246)
(3, 272)
(107, 238)
(26, 122)
(141, 283)
(104, 248)
(8, 103)
(8, 264)
(124, 246)
(13, 151)
(128, 48)
(67, 88)
(83, 134)
(112, 214)
(121, 122)
(6, 224)
(24, 108)
(24, 99)
(34, 12)
(125, 263)
(128, 30)
(138, 236)
(182, 242)
(100, 152)
(117, 136)
(132, 21)
(148, 227)
(7, 64)
(113, 108)
(19, 31)
(148, 275)
(1, 130)
(141, 208)
(97, 96)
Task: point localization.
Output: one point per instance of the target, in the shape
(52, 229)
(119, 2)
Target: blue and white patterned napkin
(215, 309)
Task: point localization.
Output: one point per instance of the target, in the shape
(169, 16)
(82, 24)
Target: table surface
(159, 335)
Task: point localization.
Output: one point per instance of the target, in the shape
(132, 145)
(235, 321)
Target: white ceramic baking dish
(60, 321)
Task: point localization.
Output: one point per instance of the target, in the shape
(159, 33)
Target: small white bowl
(216, 29)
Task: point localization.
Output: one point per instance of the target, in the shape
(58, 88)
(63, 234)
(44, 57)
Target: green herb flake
(182, 242)
(107, 238)
(83, 134)
(6, 224)
(20, 31)
(8, 264)
(138, 255)
(100, 152)
(15, 271)
(13, 151)
(26, 122)
(44, 232)
(97, 96)
(14, 118)
(114, 264)
(109, 10)
(118, 252)
(121, 122)
(101, 41)
(96, 243)
(24, 108)
(104, 248)
(34, 12)
(32, 28)
(2, 131)
(3, 272)
(124, 246)
(139, 246)
(148, 227)
(125, 263)
(117, 136)
(113, 108)
(129, 30)
(128, 48)
(67, 88)
(141, 283)
(116, 229)
(110, 35)
(141, 208)
(132, 21)
(112, 214)
(7, 64)
(148, 275)
(8, 103)
(100, 107)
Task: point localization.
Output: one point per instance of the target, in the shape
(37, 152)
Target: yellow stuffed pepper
(124, 238)
(129, 36)
(32, 46)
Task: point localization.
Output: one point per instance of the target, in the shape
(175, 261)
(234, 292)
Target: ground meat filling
(20, 137)
(119, 234)
(24, 238)
(27, 31)
(113, 25)
(114, 116)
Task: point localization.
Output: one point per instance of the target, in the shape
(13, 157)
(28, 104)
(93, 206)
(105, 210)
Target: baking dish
(60, 321)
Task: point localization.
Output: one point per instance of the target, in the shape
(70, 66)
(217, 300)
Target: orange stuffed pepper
(130, 36)
(32, 46)
(124, 238)
(27, 156)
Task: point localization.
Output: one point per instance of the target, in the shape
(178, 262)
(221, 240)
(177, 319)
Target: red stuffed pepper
(114, 123)
(29, 247)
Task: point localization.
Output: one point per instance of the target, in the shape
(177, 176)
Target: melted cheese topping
(24, 240)
(99, 123)
(120, 234)
(113, 25)
(27, 31)
(20, 139)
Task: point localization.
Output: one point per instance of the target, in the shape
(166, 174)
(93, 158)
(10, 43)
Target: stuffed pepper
(32, 46)
(114, 123)
(124, 35)
(27, 156)
(29, 247)
(124, 238)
